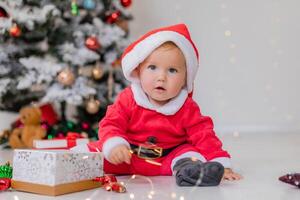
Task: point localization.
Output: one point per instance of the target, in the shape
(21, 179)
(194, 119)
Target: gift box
(55, 172)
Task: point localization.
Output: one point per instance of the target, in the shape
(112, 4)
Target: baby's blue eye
(173, 70)
(152, 67)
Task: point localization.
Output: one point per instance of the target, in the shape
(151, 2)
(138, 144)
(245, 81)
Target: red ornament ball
(85, 126)
(126, 3)
(3, 13)
(113, 17)
(15, 31)
(60, 136)
(92, 43)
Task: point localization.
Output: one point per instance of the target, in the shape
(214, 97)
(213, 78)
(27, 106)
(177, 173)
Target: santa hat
(138, 51)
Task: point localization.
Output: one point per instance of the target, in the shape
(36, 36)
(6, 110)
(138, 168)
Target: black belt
(151, 151)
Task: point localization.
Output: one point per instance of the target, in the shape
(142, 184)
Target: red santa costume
(178, 125)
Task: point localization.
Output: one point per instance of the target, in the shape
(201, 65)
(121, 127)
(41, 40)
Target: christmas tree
(65, 52)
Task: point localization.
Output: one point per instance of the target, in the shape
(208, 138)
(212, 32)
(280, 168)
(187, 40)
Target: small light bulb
(227, 33)
(131, 196)
(236, 134)
(152, 192)
(173, 195)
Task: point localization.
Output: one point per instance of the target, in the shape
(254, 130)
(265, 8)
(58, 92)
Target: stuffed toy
(22, 137)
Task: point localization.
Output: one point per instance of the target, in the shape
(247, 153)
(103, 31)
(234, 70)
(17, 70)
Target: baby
(155, 127)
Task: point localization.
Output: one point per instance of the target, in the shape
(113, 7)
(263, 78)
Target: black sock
(197, 173)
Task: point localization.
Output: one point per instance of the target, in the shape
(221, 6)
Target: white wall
(249, 80)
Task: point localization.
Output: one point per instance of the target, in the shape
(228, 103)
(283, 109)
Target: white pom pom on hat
(138, 51)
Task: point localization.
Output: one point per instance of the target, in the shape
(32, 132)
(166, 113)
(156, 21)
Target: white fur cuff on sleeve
(224, 161)
(111, 143)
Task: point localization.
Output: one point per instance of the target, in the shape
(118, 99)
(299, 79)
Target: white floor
(260, 158)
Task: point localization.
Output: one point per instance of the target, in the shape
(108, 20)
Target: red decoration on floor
(106, 179)
(4, 183)
(109, 183)
(293, 179)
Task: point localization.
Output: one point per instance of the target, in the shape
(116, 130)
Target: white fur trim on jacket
(223, 160)
(111, 143)
(144, 48)
(169, 108)
(189, 154)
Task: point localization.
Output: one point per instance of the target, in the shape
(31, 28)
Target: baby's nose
(161, 76)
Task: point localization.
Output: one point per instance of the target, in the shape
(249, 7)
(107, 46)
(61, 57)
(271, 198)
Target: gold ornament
(92, 106)
(97, 72)
(66, 77)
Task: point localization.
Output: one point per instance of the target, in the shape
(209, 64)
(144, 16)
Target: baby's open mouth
(160, 88)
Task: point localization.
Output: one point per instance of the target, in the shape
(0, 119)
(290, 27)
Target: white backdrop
(250, 58)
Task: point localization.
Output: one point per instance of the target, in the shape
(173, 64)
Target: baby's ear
(136, 72)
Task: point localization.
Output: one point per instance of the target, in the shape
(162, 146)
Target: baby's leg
(193, 172)
(190, 168)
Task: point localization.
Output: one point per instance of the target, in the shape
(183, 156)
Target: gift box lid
(58, 143)
(54, 167)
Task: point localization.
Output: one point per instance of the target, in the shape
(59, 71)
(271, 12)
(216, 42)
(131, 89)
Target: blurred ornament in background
(92, 43)
(85, 125)
(123, 24)
(126, 3)
(89, 4)
(74, 8)
(15, 31)
(66, 77)
(3, 13)
(97, 71)
(113, 17)
(116, 63)
(92, 106)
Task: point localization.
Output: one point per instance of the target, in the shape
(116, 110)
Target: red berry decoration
(293, 179)
(109, 183)
(92, 43)
(3, 13)
(117, 187)
(106, 179)
(4, 183)
(126, 3)
(113, 17)
(15, 31)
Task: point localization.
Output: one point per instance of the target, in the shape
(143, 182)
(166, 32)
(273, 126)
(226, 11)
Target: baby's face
(163, 74)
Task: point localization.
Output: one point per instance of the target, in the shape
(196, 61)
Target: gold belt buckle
(149, 151)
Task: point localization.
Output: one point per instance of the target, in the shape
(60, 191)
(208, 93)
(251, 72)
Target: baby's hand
(120, 154)
(231, 175)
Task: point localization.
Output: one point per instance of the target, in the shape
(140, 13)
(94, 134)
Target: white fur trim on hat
(145, 47)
